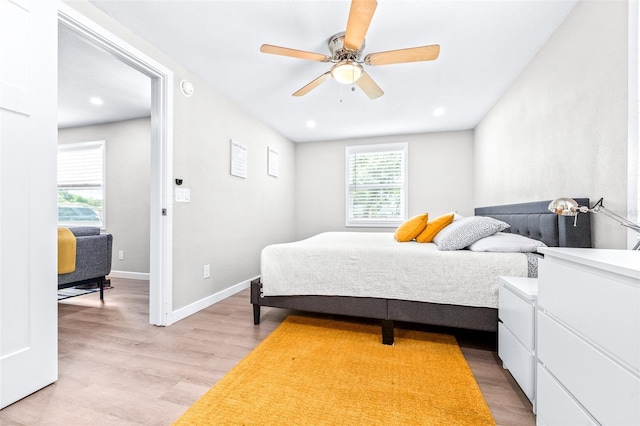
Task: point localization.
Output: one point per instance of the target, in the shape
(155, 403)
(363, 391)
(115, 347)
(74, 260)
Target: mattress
(374, 264)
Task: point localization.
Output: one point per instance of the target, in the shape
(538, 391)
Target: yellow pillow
(66, 251)
(433, 227)
(411, 228)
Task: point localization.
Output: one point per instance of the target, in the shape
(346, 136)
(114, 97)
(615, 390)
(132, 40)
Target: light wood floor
(115, 369)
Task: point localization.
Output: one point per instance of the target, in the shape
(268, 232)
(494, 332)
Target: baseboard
(201, 304)
(130, 275)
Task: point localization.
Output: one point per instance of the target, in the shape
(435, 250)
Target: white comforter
(373, 264)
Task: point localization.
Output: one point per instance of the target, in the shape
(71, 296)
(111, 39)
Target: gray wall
(229, 220)
(561, 128)
(440, 175)
(128, 159)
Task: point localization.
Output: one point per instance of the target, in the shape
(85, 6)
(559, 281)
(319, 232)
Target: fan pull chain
(353, 79)
(353, 89)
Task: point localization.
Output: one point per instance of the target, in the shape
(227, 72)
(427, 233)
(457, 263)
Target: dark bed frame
(532, 220)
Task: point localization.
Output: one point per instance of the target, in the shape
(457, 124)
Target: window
(81, 189)
(376, 187)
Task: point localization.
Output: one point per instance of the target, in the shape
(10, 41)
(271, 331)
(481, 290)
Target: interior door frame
(161, 214)
(633, 178)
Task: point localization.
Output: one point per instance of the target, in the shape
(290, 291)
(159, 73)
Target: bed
(400, 265)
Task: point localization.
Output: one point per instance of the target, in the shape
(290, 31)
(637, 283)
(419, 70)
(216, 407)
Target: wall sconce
(569, 207)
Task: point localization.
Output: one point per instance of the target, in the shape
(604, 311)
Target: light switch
(183, 195)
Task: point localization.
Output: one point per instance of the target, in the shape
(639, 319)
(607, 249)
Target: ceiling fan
(346, 49)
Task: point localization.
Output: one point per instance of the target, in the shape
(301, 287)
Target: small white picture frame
(273, 164)
(238, 159)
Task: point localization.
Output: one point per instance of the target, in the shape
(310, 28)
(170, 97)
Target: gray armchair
(93, 259)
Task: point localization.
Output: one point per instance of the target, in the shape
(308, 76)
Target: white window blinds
(376, 185)
(80, 165)
(81, 184)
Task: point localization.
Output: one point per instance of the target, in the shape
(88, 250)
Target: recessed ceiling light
(96, 101)
(311, 124)
(438, 112)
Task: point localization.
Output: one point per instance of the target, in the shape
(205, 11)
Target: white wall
(229, 220)
(128, 159)
(440, 179)
(561, 128)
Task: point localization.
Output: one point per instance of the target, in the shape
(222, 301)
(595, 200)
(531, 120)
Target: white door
(28, 235)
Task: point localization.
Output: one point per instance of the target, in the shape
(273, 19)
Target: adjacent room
(104, 157)
(320, 212)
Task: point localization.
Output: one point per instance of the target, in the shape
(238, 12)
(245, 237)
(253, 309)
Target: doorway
(160, 241)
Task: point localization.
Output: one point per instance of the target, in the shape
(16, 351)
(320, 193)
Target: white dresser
(516, 330)
(588, 337)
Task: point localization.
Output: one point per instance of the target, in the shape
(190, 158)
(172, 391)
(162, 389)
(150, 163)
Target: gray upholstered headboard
(534, 220)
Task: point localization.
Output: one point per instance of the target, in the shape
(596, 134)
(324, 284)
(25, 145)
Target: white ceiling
(84, 72)
(485, 44)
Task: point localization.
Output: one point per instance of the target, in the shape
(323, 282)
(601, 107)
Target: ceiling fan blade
(413, 54)
(360, 16)
(315, 83)
(301, 54)
(369, 87)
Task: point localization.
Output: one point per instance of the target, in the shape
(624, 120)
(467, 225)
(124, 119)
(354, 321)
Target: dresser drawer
(518, 315)
(606, 390)
(555, 406)
(605, 309)
(518, 360)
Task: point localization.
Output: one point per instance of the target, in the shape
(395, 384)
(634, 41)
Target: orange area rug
(313, 371)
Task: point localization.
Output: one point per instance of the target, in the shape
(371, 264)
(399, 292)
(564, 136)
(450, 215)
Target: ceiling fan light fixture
(346, 72)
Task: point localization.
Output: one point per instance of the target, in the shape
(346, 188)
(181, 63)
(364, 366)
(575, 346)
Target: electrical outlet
(206, 271)
(121, 255)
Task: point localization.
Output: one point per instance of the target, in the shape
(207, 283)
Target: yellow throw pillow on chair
(66, 251)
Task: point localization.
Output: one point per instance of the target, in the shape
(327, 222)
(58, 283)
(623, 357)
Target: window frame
(76, 146)
(402, 147)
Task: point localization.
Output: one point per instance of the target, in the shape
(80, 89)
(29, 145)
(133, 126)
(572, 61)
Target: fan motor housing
(339, 52)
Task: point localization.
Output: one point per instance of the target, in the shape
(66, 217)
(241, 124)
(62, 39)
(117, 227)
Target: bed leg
(387, 332)
(256, 314)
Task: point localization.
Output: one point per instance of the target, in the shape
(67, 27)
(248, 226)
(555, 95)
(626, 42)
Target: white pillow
(466, 231)
(507, 243)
